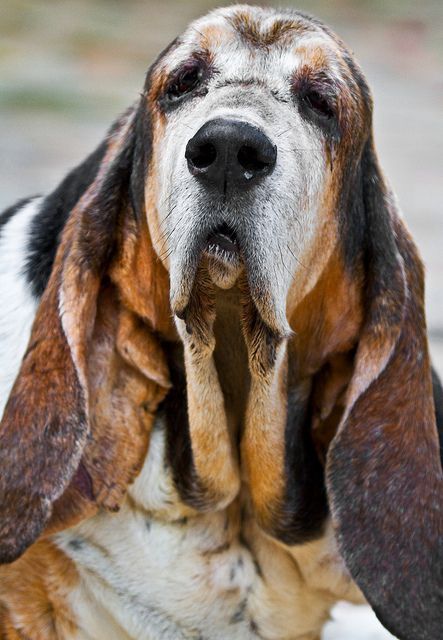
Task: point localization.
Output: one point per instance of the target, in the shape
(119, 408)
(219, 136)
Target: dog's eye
(318, 104)
(186, 80)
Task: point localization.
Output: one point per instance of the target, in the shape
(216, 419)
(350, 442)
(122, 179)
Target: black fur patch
(174, 410)
(305, 506)
(48, 224)
(9, 213)
(99, 222)
(351, 216)
(351, 205)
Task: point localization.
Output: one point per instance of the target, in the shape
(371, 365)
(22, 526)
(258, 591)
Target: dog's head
(250, 156)
(260, 118)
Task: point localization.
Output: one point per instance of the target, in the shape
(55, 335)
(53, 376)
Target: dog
(220, 415)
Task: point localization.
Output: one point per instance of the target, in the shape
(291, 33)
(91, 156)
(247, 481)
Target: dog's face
(251, 112)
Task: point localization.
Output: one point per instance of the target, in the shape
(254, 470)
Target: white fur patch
(18, 305)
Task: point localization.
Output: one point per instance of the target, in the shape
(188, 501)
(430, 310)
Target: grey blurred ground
(68, 67)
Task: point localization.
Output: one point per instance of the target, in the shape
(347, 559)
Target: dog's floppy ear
(384, 476)
(46, 422)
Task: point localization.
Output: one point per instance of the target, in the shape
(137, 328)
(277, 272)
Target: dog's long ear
(384, 476)
(46, 423)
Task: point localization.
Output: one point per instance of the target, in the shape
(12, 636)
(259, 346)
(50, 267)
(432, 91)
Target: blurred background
(67, 68)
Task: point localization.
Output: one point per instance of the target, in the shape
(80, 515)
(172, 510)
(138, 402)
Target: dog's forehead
(257, 42)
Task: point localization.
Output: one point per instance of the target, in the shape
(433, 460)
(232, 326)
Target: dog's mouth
(223, 256)
(222, 244)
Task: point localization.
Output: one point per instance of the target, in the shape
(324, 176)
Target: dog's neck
(231, 357)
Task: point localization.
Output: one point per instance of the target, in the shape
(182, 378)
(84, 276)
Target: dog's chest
(156, 571)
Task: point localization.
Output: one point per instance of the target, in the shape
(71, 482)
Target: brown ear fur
(384, 476)
(62, 453)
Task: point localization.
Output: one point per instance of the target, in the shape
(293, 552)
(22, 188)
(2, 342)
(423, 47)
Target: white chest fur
(157, 571)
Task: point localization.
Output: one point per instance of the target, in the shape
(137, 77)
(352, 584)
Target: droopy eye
(185, 81)
(318, 104)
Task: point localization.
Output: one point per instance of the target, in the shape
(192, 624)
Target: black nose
(230, 153)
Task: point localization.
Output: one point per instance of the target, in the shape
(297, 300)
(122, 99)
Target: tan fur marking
(328, 320)
(138, 347)
(263, 442)
(213, 36)
(141, 278)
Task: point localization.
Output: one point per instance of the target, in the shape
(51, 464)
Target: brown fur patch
(123, 401)
(213, 36)
(141, 278)
(329, 399)
(328, 320)
(34, 592)
(43, 430)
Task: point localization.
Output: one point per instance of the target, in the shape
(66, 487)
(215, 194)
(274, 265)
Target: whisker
(284, 264)
(199, 33)
(295, 257)
(283, 132)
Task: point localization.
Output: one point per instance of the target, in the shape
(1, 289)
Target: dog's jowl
(218, 404)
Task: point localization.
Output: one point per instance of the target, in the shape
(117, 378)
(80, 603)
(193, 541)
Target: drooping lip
(224, 251)
(219, 248)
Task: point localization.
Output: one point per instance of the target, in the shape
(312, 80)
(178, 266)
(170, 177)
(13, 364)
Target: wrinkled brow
(252, 31)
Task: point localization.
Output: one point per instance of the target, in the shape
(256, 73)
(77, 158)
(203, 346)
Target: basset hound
(220, 415)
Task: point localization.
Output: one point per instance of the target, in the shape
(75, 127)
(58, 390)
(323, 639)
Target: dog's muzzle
(229, 161)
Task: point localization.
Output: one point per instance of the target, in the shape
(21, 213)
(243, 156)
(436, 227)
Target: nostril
(249, 159)
(204, 156)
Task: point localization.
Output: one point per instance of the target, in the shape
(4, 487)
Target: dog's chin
(223, 273)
